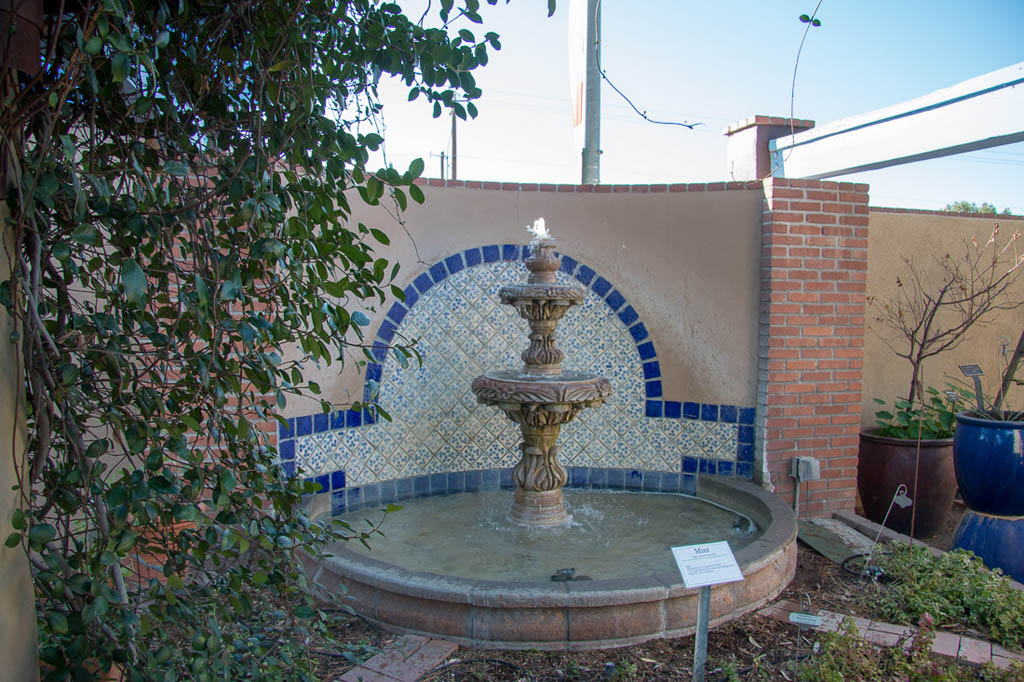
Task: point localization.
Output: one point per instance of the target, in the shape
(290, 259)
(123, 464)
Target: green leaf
(120, 66)
(415, 169)
(134, 282)
(18, 520)
(551, 7)
(85, 234)
(176, 168)
(416, 194)
(175, 582)
(380, 236)
(58, 622)
(13, 540)
(281, 66)
(304, 611)
(227, 480)
(360, 319)
(126, 541)
(41, 533)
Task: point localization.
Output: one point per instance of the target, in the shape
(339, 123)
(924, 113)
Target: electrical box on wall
(805, 469)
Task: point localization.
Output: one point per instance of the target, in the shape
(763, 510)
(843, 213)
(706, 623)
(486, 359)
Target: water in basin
(612, 534)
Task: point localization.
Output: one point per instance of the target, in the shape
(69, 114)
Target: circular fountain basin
(509, 601)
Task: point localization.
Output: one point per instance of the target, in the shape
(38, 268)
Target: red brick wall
(814, 239)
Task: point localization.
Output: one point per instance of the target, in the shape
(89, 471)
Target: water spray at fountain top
(538, 230)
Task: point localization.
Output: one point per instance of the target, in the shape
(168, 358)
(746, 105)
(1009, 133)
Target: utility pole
(592, 125)
(455, 146)
(442, 162)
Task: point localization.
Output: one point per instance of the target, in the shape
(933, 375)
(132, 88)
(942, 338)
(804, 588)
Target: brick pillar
(814, 241)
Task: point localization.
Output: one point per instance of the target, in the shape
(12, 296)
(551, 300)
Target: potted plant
(988, 457)
(912, 446)
(934, 305)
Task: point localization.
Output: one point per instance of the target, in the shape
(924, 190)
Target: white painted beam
(979, 113)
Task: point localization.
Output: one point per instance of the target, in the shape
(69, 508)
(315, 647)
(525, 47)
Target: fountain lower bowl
(569, 615)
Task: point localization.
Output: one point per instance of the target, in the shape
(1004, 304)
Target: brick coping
(946, 644)
(643, 188)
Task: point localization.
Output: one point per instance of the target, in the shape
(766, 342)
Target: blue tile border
(655, 406)
(398, 490)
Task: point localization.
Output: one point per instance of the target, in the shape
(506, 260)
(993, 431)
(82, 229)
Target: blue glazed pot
(996, 541)
(988, 457)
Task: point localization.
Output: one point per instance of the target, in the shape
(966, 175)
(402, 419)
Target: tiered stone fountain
(541, 396)
(452, 566)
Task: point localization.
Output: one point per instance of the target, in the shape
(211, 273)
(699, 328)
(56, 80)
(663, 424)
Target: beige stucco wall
(17, 608)
(688, 262)
(892, 236)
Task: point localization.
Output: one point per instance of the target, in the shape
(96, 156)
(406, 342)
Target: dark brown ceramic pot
(886, 463)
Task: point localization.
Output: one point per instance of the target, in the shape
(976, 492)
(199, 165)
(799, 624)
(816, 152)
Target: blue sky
(718, 63)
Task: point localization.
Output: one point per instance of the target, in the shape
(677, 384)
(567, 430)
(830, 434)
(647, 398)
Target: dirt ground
(749, 648)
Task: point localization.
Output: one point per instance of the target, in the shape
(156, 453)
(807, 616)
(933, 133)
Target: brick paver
(946, 644)
(974, 651)
(966, 649)
(882, 638)
(404, 660)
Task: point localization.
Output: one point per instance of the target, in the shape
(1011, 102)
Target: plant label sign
(707, 564)
(971, 370)
(804, 620)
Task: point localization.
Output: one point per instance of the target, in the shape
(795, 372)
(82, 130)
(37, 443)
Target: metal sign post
(974, 372)
(702, 566)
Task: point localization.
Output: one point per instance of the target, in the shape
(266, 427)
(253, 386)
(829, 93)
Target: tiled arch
(437, 427)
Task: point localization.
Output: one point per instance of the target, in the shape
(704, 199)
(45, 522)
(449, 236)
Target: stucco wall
(17, 608)
(686, 257)
(896, 234)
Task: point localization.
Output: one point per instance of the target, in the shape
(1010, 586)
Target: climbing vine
(178, 185)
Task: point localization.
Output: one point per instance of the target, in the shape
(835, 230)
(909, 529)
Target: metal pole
(592, 124)
(455, 147)
(700, 641)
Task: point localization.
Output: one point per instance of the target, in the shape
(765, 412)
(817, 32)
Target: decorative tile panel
(453, 313)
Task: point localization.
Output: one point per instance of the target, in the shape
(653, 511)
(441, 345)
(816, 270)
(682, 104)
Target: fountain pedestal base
(539, 508)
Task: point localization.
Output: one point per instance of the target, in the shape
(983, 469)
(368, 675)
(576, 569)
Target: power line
(641, 114)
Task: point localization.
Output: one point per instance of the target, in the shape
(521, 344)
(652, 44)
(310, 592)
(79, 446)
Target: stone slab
(833, 539)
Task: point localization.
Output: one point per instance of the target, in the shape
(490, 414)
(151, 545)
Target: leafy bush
(955, 588)
(177, 184)
(935, 418)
